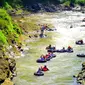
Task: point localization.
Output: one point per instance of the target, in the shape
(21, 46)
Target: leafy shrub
(8, 29)
(80, 2)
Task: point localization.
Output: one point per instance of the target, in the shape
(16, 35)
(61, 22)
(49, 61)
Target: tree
(2, 2)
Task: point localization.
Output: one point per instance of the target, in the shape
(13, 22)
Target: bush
(80, 2)
(8, 29)
(3, 39)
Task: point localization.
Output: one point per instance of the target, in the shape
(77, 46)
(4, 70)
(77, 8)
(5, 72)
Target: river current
(64, 65)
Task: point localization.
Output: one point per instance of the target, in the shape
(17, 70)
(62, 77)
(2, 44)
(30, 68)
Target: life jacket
(44, 68)
(46, 56)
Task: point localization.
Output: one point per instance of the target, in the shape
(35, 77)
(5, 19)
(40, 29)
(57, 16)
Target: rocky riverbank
(17, 50)
(10, 34)
(7, 70)
(80, 77)
(62, 21)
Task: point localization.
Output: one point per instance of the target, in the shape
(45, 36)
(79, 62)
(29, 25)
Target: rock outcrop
(81, 75)
(7, 69)
(7, 82)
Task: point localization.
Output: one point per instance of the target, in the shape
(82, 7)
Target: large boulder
(7, 69)
(81, 75)
(4, 69)
(83, 65)
(7, 82)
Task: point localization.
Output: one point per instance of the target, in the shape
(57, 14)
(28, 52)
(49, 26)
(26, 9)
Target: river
(65, 65)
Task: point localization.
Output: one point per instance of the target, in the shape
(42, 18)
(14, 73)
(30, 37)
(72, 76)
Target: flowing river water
(64, 65)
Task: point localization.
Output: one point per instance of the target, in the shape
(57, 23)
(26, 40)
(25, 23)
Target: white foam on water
(64, 66)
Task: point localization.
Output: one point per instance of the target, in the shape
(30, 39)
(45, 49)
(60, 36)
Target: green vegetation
(9, 4)
(8, 29)
(73, 2)
(81, 2)
(67, 3)
(3, 39)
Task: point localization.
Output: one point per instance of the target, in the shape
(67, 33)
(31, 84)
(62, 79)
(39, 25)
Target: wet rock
(75, 76)
(12, 65)
(19, 47)
(83, 12)
(7, 69)
(35, 36)
(81, 75)
(12, 68)
(83, 64)
(12, 12)
(30, 36)
(76, 8)
(82, 25)
(71, 26)
(4, 69)
(13, 41)
(83, 20)
(7, 82)
(83, 69)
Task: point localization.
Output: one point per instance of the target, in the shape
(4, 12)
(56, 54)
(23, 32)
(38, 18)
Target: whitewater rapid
(65, 65)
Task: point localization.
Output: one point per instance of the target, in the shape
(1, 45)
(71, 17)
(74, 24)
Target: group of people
(44, 57)
(50, 47)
